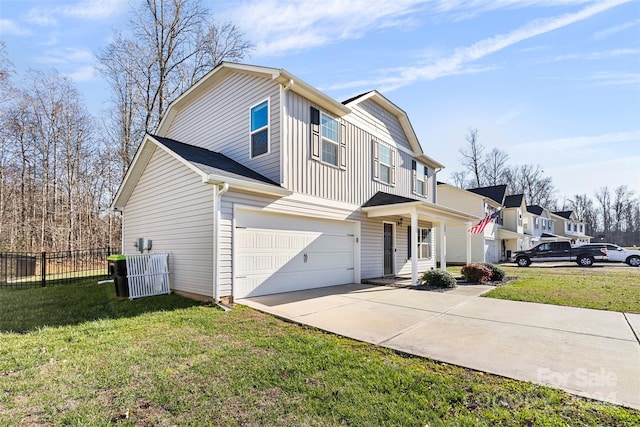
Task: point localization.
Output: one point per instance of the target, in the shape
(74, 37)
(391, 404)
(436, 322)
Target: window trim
(324, 138)
(378, 163)
(420, 244)
(425, 188)
(267, 127)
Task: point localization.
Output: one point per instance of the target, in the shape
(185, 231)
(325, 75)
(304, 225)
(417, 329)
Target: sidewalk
(591, 353)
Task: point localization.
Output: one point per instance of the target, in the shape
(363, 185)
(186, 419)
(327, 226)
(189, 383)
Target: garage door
(279, 253)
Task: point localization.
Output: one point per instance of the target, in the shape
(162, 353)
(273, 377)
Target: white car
(617, 254)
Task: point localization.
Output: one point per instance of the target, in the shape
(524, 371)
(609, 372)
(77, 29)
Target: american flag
(479, 227)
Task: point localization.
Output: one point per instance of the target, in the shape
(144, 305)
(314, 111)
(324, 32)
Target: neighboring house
(569, 226)
(538, 224)
(512, 232)
(258, 183)
(485, 246)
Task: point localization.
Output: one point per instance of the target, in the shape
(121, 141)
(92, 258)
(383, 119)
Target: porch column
(468, 225)
(414, 248)
(443, 245)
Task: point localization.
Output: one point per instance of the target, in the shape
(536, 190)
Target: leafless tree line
(614, 216)
(59, 166)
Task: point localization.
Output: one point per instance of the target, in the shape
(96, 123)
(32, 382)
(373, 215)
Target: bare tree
(583, 208)
(172, 44)
(603, 196)
(495, 166)
(473, 157)
(530, 181)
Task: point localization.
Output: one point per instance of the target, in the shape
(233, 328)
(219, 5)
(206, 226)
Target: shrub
(497, 274)
(476, 273)
(439, 279)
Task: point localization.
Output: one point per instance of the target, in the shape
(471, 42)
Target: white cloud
(66, 56)
(607, 78)
(10, 28)
(457, 62)
(94, 9)
(82, 74)
(599, 55)
(278, 27)
(615, 29)
(571, 143)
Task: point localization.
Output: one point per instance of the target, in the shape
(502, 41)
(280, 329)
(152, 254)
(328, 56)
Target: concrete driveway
(592, 353)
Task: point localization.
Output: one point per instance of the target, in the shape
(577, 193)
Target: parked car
(559, 252)
(616, 253)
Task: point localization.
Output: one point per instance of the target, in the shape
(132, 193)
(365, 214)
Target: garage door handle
(306, 257)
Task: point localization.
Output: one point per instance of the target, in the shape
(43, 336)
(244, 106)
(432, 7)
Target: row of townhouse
(257, 183)
(518, 226)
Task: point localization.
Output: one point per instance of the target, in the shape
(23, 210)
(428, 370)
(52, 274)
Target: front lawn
(82, 357)
(603, 287)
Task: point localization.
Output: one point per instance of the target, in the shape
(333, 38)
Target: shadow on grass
(27, 309)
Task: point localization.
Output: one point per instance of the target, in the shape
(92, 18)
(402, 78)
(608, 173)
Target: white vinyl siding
(171, 206)
(218, 121)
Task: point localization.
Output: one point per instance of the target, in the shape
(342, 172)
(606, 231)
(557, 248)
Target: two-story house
(569, 226)
(512, 232)
(256, 183)
(486, 246)
(538, 224)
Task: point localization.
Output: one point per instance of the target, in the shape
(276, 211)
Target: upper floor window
(384, 164)
(260, 129)
(575, 227)
(581, 228)
(328, 139)
(568, 226)
(420, 178)
(329, 132)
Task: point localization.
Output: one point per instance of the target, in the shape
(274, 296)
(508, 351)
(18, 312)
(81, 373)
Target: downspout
(218, 192)
(284, 141)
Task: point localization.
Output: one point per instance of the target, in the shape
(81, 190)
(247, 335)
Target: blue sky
(554, 83)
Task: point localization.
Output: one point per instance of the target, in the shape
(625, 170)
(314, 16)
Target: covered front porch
(416, 212)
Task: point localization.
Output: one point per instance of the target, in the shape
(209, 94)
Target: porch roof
(385, 204)
(508, 234)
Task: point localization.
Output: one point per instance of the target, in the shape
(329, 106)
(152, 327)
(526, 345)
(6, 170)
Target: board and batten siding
(370, 115)
(171, 206)
(355, 184)
(220, 121)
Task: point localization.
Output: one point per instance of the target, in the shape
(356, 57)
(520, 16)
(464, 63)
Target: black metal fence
(20, 269)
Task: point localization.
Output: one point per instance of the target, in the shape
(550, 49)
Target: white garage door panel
(276, 253)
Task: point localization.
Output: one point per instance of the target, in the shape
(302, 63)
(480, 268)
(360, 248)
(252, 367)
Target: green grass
(600, 287)
(86, 358)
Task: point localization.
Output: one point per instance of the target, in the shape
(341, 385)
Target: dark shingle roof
(513, 201)
(564, 214)
(381, 198)
(353, 98)
(495, 192)
(212, 162)
(535, 209)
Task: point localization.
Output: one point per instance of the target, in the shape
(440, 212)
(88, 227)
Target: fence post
(43, 269)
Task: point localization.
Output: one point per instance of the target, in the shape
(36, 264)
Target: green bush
(476, 273)
(439, 279)
(497, 274)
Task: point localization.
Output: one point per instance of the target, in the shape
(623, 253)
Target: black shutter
(343, 146)
(315, 133)
(409, 237)
(414, 175)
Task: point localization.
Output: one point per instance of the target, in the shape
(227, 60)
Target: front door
(388, 249)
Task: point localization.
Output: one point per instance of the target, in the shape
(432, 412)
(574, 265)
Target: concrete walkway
(592, 353)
